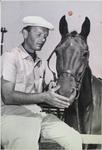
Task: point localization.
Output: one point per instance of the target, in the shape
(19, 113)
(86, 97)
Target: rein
(48, 60)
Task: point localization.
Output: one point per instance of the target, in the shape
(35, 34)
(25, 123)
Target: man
(23, 77)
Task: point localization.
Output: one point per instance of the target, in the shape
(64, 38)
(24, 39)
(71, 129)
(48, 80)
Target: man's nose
(43, 39)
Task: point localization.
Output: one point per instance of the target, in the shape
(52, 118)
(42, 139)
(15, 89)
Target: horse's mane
(85, 96)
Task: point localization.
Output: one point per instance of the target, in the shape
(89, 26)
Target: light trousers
(22, 133)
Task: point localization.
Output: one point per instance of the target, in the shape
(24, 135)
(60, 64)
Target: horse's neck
(85, 97)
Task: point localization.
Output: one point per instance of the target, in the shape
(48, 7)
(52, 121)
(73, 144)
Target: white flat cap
(36, 21)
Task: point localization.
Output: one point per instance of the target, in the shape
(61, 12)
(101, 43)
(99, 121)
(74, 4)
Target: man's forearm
(12, 97)
(20, 98)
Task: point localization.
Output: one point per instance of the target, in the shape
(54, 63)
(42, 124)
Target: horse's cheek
(59, 63)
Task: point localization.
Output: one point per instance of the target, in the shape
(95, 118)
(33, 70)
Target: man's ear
(25, 33)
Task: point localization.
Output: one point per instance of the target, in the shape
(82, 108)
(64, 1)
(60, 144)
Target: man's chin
(38, 48)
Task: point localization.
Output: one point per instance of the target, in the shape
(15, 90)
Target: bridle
(78, 80)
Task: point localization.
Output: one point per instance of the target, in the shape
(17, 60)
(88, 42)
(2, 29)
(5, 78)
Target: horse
(74, 75)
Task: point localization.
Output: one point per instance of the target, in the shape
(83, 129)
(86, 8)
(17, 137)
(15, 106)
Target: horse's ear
(85, 30)
(63, 26)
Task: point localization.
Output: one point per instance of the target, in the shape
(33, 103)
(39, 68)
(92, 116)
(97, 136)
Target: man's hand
(57, 100)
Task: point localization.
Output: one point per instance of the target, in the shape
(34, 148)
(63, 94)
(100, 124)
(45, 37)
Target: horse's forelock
(73, 33)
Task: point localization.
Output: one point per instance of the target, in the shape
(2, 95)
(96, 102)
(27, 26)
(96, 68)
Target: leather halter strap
(48, 60)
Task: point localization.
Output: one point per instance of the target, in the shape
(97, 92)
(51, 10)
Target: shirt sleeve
(9, 67)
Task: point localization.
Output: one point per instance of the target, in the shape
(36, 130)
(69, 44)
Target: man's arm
(12, 97)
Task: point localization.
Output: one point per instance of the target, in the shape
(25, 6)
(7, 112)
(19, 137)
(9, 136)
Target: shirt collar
(23, 52)
(26, 55)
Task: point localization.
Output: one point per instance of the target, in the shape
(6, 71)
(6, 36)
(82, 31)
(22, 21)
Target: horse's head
(72, 57)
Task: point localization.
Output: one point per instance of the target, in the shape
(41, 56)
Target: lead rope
(55, 78)
(48, 60)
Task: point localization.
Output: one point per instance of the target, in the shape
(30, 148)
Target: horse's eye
(85, 54)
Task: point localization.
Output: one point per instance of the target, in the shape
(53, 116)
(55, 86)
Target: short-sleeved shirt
(19, 67)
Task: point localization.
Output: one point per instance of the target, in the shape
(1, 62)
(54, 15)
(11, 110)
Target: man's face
(36, 38)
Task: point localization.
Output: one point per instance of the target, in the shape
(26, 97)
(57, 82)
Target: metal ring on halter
(69, 72)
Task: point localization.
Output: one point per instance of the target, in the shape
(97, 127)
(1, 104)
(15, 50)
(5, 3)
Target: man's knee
(73, 142)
